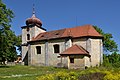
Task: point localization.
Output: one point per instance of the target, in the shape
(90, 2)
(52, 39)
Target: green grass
(31, 72)
(25, 72)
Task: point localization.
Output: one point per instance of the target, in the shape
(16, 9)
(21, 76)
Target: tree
(106, 62)
(8, 39)
(112, 60)
(114, 57)
(109, 45)
(18, 42)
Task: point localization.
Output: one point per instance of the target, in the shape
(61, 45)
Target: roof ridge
(79, 47)
(82, 48)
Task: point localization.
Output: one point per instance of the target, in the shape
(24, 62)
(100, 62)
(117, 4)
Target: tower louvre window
(56, 48)
(38, 49)
(28, 36)
(27, 29)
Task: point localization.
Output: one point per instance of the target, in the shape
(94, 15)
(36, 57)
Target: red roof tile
(79, 31)
(75, 49)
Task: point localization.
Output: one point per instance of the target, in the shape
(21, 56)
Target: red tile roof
(79, 31)
(75, 49)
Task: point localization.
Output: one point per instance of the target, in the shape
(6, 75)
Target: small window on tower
(27, 28)
(38, 49)
(56, 48)
(28, 36)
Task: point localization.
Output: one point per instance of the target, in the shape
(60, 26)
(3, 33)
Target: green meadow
(50, 73)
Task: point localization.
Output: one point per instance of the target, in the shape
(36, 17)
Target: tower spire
(33, 13)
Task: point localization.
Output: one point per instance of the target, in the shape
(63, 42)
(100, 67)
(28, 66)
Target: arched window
(56, 48)
(28, 36)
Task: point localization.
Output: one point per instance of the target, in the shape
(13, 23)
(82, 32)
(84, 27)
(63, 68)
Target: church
(72, 48)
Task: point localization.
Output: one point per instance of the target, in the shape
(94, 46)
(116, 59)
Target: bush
(62, 76)
(59, 76)
(92, 76)
(88, 74)
(116, 65)
(112, 76)
(46, 77)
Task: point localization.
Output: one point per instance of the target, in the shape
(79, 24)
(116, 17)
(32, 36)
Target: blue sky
(58, 14)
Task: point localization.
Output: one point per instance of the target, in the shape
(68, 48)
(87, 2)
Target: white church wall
(38, 59)
(54, 58)
(96, 52)
(81, 42)
(24, 34)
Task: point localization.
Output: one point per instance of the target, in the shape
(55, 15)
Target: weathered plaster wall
(53, 59)
(81, 42)
(24, 35)
(87, 61)
(79, 62)
(38, 31)
(96, 52)
(24, 51)
(33, 31)
(37, 59)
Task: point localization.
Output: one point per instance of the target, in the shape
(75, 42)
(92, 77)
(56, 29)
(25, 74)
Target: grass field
(25, 72)
(32, 73)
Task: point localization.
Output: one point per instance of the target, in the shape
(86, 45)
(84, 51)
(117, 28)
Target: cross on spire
(33, 11)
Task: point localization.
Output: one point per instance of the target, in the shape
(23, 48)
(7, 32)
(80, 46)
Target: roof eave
(75, 54)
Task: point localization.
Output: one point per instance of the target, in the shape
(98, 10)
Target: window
(56, 33)
(56, 48)
(38, 49)
(27, 29)
(28, 36)
(71, 60)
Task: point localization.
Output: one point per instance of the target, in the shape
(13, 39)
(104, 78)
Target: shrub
(112, 76)
(62, 76)
(73, 76)
(88, 74)
(59, 76)
(92, 76)
(46, 77)
(116, 65)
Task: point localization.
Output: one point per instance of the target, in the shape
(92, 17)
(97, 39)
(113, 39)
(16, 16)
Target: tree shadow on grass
(92, 76)
(4, 66)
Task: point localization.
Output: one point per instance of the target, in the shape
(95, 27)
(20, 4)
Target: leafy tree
(8, 39)
(18, 42)
(106, 62)
(114, 57)
(109, 45)
(112, 60)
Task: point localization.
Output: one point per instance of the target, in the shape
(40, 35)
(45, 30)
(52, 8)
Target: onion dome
(33, 20)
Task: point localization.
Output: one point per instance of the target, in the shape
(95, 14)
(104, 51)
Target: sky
(59, 14)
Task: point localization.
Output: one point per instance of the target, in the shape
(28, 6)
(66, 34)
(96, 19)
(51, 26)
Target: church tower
(31, 30)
